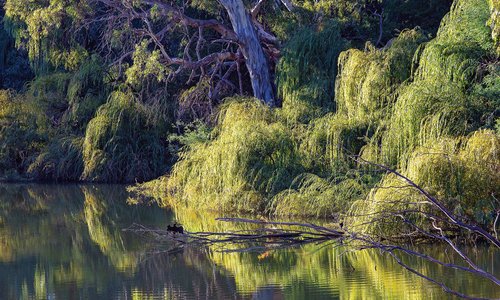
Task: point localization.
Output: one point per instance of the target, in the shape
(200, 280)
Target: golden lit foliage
(462, 173)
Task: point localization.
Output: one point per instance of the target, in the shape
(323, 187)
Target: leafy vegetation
(120, 143)
(461, 172)
(121, 93)
(419, 105)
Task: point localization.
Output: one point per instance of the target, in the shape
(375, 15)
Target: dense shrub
(462, 173)
(250, 158)
(22, 134)
(121, 144)
(307, 70)
(437, 102)
(60, 161)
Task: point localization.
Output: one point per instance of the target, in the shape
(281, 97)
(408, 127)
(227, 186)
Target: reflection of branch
(475, 269)
(391, 248)
(281, 235)
(312, 226)
(273, 237)
(496, 218)
(442, 285)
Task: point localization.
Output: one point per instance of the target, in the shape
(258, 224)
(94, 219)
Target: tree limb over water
(277, 235)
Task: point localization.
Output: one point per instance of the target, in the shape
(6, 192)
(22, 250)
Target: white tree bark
(251, 49)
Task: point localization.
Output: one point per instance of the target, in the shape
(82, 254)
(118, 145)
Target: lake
(67, 242)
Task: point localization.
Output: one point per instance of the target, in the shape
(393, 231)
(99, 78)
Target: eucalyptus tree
(209, 40)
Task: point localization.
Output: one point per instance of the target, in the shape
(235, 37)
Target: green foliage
(87, 90)
(307, 70)
(437, 102)
(146, 64)
(421, 113)
(195, 103)
(462, 173)
(39, 124)
(494, 23)
(453, 92)
(253, 162)
(194, 134)
(368, 79)
(15, 70)
(60, 161)
(360, 19)
(389, 103)
(364, 94)
(408, 105)
(330, 137)
(312, 195)
(42, 28)
(211, 7)
(121, 145)
(250, 158)
(401, 14)
(22, 128)
(48, 94)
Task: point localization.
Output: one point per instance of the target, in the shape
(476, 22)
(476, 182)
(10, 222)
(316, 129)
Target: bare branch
(435, 202)
(286, 237)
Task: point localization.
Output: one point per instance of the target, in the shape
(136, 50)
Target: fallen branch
(454, 219)
(280, 235)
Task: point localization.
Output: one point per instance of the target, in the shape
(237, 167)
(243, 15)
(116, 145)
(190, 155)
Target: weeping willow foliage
(494, 23)
(368, 79)
(60, 161)
(101, 232)
(307, 70)
(364, 87)
(41, 28)
(453, 92)
(43, 126)
(48, 93)
(330, 181)
(22, 133)
(28, 122)
(87, 90)
(437, 103)
(317, 196)
(462, 173)
(71, 99)
(230, 172)
(364, 93)
(250, 158)
(195, 103)
(253, 163)
(121, 145)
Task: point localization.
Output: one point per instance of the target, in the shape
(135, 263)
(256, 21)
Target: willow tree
(201, 39)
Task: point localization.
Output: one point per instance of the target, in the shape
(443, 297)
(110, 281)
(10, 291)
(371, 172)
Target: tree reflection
(67, 242)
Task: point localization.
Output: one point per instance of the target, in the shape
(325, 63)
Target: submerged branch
(289, 234)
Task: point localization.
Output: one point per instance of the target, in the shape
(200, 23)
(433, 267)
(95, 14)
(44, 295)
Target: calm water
(67, 242)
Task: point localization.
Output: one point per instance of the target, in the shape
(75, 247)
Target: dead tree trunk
(252, 50)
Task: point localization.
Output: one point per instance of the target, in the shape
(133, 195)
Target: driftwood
(275, 235)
